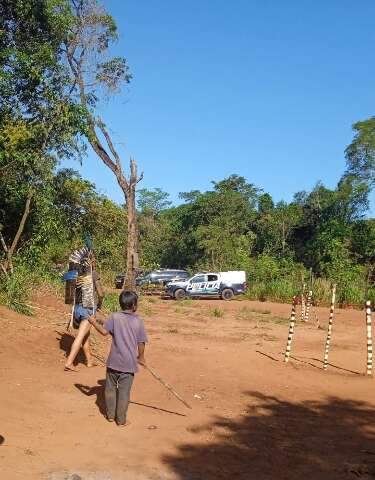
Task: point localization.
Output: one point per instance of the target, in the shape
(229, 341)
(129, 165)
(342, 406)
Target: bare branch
(3, 269)
(108, 139)
(140, 178)
(2, 241)
(20, 229)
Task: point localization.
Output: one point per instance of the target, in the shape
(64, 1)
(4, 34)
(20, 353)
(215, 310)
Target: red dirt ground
(253, 416)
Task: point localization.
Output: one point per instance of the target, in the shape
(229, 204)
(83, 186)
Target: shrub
(217, 312)
(16, 289)
(111, 302)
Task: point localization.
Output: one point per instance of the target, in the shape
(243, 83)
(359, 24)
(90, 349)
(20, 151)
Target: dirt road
(253, 416)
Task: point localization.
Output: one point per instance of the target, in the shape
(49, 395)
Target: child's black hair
(128, 300)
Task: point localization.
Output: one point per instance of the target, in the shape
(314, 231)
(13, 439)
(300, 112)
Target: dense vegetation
(45, 211)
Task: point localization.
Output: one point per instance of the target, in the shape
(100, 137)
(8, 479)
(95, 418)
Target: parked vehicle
(162, 277)
(156, 277)
(222, 284)
(120, 278)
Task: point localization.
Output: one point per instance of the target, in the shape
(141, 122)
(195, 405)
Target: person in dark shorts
(127, 351)
(82, 312)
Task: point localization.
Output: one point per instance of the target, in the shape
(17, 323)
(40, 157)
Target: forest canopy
(46, 211)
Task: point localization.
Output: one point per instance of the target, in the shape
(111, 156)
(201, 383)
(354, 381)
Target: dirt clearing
(253, 416)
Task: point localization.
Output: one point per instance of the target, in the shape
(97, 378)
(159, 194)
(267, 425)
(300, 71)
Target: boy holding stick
(127, 350)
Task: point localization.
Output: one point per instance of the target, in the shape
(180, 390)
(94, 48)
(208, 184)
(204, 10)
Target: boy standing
(127, 350)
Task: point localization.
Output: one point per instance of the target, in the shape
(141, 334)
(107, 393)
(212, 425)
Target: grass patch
(146, 310)
(172, 330)
(16, 289)
(151, 300)
(217, 312)
(262, 312)
(179, 310)
(279, 320)
(247, 313)
(110, 302)
(186, 302)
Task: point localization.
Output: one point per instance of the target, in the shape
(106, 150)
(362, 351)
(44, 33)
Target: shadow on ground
(65, 344)
(280, 440)
(98, 391)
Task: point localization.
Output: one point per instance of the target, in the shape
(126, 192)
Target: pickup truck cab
(209, 284)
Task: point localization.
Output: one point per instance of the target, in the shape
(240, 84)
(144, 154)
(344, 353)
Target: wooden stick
(369, 337)
(70, 324)
(291, 331)
(308, 305)
(329, 331)
(166, 385)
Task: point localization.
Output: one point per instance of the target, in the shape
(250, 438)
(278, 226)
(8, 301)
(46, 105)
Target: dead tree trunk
(132, 260)
(85, 49)
(110, 157)
(128, 186)
(7, 264)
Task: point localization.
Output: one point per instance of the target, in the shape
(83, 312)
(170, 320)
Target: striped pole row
(308, 305)
(291, 331)
(303, 303)
(369, 337)
(329, 331)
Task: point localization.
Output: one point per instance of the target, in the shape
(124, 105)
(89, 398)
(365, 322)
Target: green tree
(152, 202)
(360, 154)
(38, 122)
(275, 227)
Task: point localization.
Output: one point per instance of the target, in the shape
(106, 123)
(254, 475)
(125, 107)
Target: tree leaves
(360, 154)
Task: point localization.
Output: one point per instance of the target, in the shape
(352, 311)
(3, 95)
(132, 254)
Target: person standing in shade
(127, 351)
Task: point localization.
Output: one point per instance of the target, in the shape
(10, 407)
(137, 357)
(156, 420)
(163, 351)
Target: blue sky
(265, 89)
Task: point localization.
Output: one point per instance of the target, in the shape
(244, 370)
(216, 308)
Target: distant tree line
(46, 211)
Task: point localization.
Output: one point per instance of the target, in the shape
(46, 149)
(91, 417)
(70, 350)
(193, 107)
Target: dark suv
(156, 277)
(162, 276)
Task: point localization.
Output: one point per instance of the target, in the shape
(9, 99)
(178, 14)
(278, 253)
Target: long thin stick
(155, 375)
(329, 331)
(369, 337)
(166, 385)
(70, 324)
(291, 331)
(93, 291)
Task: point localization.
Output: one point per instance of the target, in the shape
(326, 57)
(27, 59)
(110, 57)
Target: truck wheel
(227, 294)
(179, 294)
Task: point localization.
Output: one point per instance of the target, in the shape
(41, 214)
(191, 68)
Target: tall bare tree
(95, 74)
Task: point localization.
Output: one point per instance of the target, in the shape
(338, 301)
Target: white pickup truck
(221, 284)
